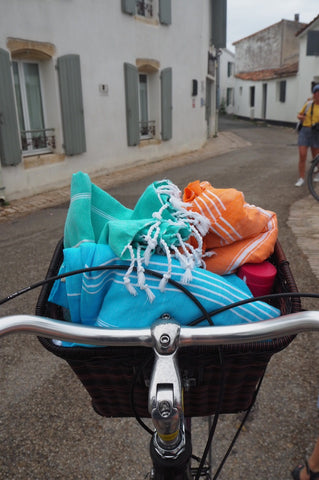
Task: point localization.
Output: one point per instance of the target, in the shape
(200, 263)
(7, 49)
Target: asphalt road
(48, 430)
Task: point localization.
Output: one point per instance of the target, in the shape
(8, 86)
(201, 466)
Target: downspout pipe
(2, 188)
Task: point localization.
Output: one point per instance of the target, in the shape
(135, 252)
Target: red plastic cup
(259, 277)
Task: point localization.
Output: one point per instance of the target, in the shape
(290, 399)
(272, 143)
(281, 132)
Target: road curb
(304, 222)
(223, 143)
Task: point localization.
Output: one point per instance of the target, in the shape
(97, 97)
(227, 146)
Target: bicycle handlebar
(169, 441)
(188, 336)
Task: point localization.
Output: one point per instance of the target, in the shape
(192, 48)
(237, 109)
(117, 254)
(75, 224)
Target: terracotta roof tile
(270, 73)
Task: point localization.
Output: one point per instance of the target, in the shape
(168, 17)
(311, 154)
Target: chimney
(296, 17)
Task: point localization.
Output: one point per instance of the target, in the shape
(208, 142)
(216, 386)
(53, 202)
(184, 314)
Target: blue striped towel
(101, 298)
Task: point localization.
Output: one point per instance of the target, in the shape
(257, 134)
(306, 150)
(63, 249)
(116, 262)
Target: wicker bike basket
(117, 378)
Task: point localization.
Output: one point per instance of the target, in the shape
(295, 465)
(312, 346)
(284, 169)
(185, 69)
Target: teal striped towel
(100, 298)
(159, 223)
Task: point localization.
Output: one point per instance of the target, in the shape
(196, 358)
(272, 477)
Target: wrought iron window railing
(33, 140)
(144, 8)
(147, 129)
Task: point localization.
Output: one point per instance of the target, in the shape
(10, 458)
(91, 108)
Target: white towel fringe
(151, 242)
(126, 279)
(201, 222)
(182, 208)
(168, 274)
(185, 264)
(189, 261)
(188, 256)
(141, 277)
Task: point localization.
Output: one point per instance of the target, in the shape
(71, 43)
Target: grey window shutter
(282, 91)
(219, 20)
(69, 73)
(313, 43)
(132, 106)
(10, 151)
(129, 6)
(208, 108)
(165, 12)
(166, 103)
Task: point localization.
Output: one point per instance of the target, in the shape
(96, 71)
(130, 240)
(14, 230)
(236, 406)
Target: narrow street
(48, 430)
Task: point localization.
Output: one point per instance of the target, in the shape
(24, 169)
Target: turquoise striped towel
(100, 298)
(159, 223)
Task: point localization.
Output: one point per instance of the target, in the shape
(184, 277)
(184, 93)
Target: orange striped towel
(239, 233)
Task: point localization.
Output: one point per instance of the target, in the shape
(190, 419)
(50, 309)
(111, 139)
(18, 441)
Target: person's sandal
(296, 472)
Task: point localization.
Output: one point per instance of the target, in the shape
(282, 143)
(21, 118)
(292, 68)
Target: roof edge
(266, 28)
(303, 29)
(270, 73)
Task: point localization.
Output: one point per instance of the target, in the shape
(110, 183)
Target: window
(313, 43)
(282, 91)
(211, 65)
(252, 96)
(27, 83)
(240, 90)
(229, 96)
(144, 8)
(229, 69)
(147, 127)
(149, 9)
(148, 95)
(28, 86)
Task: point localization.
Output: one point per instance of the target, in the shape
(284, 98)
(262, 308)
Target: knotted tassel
(126, 279)
(168, 274)
(151, 242)
(141, 277)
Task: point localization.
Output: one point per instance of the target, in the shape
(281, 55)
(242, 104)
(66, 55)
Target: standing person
(310, 469)
(309, 134)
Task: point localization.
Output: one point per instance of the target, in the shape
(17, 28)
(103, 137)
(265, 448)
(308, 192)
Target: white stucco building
(226, 81)
(99, 86)
(274, 71)
(308, 70)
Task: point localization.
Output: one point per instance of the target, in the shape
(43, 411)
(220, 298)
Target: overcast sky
(245, 17)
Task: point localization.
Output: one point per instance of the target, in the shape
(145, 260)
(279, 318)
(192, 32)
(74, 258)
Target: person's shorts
(308, 138)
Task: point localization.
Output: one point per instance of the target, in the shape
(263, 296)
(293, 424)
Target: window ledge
(149, 141)
(41, 160)
(149, 21)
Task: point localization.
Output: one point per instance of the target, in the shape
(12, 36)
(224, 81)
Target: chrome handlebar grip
(73, 332)
(250, 332)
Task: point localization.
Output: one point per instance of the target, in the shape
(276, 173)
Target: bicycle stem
(165, 402)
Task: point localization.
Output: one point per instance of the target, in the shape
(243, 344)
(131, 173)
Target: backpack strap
(311, 112)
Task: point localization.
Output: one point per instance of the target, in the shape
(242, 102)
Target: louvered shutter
(166, 103)
(129, 6)
(132, 106)
(219, 18)
(313, 43)
(10, 150)
(69, 73)
(165, 12)
(208, 103)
